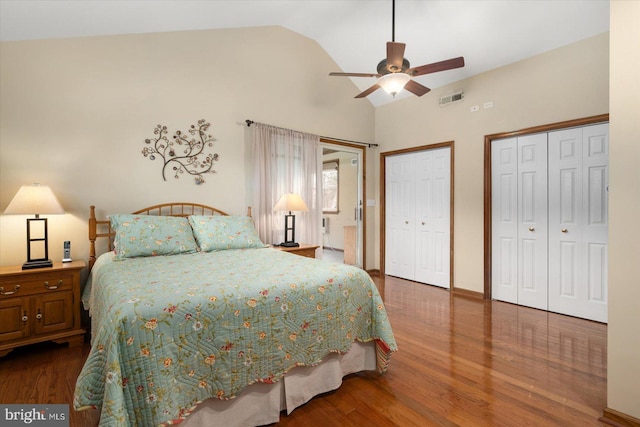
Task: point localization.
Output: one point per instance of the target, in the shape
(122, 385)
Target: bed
(195, 321)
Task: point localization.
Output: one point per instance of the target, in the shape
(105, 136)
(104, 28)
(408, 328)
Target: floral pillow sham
(151, 235)
(218, 232)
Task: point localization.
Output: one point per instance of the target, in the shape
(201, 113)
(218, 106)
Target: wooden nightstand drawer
(36, 284)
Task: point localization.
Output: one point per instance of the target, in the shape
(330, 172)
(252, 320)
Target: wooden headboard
(102, 228)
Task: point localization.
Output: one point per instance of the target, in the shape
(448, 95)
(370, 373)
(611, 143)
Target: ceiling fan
(394, 73)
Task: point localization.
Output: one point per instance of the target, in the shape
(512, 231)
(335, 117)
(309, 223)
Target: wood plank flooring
(461, 362)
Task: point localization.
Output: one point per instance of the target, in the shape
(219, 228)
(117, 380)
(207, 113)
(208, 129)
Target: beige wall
(568, 83)
(623, 373)
(74, 114)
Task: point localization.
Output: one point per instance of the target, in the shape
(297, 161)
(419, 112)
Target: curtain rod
(369, 145)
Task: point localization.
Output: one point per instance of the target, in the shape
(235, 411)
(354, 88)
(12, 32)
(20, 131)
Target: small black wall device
(67, 252)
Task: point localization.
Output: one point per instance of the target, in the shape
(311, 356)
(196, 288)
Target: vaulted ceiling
(487, 33)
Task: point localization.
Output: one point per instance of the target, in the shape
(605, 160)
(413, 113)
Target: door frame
(362, 179)
(383, 201)
(488, 139)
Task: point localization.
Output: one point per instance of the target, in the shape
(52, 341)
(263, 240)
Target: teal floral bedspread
(172, 331)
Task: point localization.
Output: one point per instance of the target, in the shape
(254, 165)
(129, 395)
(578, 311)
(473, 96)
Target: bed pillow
(151, 235)
(219, 232)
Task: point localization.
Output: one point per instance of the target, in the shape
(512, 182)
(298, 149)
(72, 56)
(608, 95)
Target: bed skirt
(261, 404)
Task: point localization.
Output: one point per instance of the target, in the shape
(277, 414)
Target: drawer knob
(39, 315)
(15, 289)
(25, 317)
(52, 287)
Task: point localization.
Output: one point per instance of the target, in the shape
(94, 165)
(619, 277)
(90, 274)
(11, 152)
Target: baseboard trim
(618, 419)
(467, 293)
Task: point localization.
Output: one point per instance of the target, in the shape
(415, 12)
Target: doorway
(343, 216)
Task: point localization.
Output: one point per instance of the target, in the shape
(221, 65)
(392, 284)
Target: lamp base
(289, 244)
(39, 263)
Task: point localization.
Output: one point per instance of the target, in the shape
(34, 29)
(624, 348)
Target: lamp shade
(394, 82)
(290, 202)
(34, 199)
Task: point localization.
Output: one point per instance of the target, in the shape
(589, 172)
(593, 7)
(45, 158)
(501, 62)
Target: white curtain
(286, 161)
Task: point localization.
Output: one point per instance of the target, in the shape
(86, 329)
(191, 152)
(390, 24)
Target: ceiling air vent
(451, 98)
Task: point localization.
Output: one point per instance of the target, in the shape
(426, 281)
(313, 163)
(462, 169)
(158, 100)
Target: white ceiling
(488, 33)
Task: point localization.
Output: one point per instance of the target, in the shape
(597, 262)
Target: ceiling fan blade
(368, 91)
(355, 74)
(416, 88)
(395, 56)
(449, 64)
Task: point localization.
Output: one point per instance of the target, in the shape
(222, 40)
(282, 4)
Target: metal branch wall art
(183, 153)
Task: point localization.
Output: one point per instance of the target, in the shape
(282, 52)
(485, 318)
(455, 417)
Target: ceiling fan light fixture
(393, 83)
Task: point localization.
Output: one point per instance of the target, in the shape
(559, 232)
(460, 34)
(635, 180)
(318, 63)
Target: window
(330, 187)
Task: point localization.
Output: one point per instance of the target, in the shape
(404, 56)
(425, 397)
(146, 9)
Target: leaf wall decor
(183, 153)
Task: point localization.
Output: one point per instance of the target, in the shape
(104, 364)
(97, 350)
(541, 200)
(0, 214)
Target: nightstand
(41, 304)
(302, 250)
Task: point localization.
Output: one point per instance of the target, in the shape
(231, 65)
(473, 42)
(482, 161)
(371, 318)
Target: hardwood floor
(461, 362)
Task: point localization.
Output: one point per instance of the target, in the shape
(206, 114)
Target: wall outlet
(474, 108)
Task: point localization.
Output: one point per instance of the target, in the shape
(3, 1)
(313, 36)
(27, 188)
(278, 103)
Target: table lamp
(290, 202)
(35, 199)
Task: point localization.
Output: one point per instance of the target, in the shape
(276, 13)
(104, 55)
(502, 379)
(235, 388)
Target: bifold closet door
(519, 220)
(417, 211)
(578, 232)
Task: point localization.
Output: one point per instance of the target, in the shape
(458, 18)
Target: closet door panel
(432, 216)
(565, 219)
(532, 221)
(442, 216)
(596, 223)
(578, 218)
(504, 221)
(425, 245)
(400, 213)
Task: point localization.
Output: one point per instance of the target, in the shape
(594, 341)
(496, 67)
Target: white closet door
(400, 216)
(432, 221)
(596, 219)
(532, 221)
(504, 221)
(578, 177)
(519, 220)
